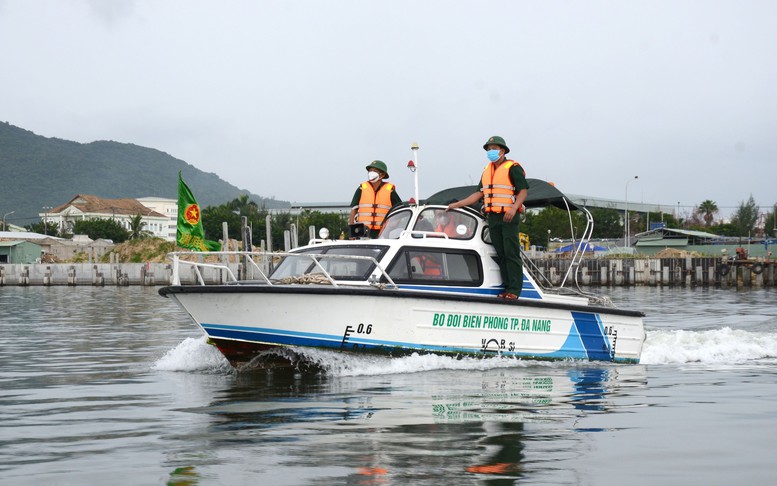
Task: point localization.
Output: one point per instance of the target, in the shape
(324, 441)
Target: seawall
(101, 274)
(687, 272)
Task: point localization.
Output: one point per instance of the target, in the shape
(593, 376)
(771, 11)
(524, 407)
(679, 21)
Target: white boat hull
(243, 320)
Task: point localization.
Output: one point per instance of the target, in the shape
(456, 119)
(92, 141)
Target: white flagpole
(414, 148)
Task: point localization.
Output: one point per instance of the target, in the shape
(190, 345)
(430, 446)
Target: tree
(337, 224)
(745, 217)
(608, 223)
(724, 229)
(770, 224)
(231, 213)
(43, 229)
(553, 219)
(280, 223)
(671, 220)
(136, 230)
(242, 206)
(214, 216)
(108, 229)
(707, 209)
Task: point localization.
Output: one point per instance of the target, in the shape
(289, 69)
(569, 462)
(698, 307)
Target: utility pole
(626, 215)
(6, 214)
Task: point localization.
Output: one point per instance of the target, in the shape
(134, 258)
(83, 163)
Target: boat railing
(572, 272)
(249, 259)
(422, 234)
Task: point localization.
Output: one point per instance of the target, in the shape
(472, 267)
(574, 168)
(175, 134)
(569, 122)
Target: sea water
(117, 386)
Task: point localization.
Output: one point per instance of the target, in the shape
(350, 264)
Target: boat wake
(347, 364)
(715, 346)
(193, 354)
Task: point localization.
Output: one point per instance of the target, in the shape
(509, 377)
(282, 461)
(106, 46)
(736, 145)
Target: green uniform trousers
(504, 237)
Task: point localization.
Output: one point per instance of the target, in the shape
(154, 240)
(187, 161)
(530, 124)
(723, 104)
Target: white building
(158, 220)
(168, 207)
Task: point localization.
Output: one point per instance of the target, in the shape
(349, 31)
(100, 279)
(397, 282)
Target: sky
(292, 99)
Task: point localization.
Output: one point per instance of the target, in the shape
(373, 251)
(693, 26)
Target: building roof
(93, 204)
(25, 235)
(9, 243)
(158, 199)
(677, 231)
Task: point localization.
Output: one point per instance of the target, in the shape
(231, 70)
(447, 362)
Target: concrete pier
(686, 272)
(101, 274)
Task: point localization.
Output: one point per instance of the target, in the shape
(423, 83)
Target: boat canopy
(541, 194)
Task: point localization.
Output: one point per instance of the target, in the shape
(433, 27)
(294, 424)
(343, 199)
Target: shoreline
(626, 272)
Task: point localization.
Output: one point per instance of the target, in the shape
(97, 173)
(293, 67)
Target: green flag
(190, 234)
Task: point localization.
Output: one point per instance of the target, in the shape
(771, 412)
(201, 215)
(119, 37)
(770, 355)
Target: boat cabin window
(437, 266)
(453, 224)
(395, 224)
(486, 235)
(339, 268)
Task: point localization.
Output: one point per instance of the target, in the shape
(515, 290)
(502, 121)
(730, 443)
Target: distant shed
(19, 252)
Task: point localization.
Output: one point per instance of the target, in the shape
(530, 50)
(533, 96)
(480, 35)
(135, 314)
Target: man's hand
(510, 214)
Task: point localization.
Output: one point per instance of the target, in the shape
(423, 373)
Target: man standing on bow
(373, 199)
(503, 188)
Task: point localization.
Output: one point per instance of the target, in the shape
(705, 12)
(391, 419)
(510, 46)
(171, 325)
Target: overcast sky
(292, 99)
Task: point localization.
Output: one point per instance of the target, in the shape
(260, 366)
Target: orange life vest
(498, 190)
(449, 229)
(373, 206)
(430, 266)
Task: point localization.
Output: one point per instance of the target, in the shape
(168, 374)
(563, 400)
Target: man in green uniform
(374, 198)
(503, 188)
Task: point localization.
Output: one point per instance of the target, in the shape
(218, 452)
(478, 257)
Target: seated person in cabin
(432, 267)
(446, 223)
(424, 223)
(426, 266)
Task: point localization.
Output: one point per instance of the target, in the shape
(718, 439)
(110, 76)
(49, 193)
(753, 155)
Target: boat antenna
(413, 166)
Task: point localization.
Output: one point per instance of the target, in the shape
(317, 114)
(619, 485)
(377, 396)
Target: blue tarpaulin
(582, 246)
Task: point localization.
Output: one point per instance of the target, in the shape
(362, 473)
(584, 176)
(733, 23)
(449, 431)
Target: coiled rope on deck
(309, 278)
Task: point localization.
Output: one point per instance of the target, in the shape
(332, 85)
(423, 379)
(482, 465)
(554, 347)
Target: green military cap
(380, 165)
(497, 140)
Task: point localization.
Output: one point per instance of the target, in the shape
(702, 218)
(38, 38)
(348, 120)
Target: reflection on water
(460, 422)
(116, 385)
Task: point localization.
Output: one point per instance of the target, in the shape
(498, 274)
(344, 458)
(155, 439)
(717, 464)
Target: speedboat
(428, 284)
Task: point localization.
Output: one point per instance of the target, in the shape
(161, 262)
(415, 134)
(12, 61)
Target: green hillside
(36, 171)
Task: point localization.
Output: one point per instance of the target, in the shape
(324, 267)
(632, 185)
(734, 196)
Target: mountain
(37, 171)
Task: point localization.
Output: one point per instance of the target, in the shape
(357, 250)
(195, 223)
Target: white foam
(348, 364)
(193, 354)
(718, 346)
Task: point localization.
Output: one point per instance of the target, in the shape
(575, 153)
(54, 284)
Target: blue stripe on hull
(294, 338)
(586, 341)
(591, 332)
(528, 291)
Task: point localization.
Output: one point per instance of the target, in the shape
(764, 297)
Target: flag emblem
(192, 214)
(190, 233)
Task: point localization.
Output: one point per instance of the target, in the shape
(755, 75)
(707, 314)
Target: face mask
(373, 176)
(493, 155)
(443, 219)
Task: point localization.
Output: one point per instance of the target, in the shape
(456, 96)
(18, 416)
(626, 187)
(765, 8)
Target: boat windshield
(340, 267)
(395, 224)
(454, 224)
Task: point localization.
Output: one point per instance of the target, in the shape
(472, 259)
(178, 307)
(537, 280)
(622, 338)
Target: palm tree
(136, 228)
(242, 206)
(707, 209)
